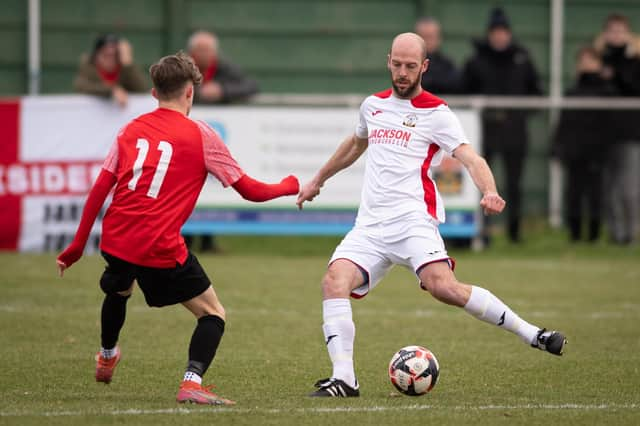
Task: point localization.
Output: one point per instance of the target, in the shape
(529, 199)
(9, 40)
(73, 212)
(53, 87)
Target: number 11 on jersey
(161, 169)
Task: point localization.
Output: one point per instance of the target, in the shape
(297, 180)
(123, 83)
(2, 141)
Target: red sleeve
(111, 162)
(254, 190)
(217, 158)
(95, 200)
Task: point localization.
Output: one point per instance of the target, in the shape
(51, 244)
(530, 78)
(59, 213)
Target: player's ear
(425, 65)
(189, 91)
(154, 93)
(389, 61)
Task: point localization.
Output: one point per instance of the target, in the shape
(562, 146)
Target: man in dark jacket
(500, 66)
(442, 77)
(620, 50)
(223, 81)
(581, 142)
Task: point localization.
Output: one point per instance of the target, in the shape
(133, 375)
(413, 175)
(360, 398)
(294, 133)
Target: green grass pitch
(273, 349)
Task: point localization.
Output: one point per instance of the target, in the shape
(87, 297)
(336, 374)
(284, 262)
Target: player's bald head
(409, 44)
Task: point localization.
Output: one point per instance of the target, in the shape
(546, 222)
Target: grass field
(273, 349)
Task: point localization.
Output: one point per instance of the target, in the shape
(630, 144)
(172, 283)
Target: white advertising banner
(53, 148)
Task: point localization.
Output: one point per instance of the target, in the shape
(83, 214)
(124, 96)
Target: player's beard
(407, 91)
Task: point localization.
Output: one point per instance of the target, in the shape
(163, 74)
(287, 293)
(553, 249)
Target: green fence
(296, 46)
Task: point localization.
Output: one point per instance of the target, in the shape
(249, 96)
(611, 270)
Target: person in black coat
(442, 76)
(581, 142)
(500, 66)
(222, 80)
(620, 50)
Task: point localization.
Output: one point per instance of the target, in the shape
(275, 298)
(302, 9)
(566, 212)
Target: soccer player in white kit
(405, 129)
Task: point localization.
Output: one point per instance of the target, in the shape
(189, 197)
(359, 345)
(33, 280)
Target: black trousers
(584, 196)
(507, 139)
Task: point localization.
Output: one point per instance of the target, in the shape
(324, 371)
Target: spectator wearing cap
(501, 66)
(109, 70)
(442, 76)
(223, 81)
(620, 50)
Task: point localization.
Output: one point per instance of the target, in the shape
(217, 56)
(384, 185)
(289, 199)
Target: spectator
(442, 75)
(581, 141)
(223, 81)
(109, 71)
(500, 66)
(620, 50)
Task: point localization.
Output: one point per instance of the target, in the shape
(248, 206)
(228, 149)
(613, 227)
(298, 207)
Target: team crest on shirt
(410, 120)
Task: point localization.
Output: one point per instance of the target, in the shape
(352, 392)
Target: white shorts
(375, 249)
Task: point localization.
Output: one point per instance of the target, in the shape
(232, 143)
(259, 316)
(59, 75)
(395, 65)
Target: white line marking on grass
(430, 313)
(258, 410)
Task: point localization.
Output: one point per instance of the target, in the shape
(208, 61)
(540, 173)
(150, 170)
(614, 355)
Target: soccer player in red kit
(158, 165)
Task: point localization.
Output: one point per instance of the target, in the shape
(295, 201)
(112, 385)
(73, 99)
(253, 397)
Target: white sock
(109, 353)
(339, 334)
(190, 376)
(486, 307)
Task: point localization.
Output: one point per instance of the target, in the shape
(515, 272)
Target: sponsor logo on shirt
(376, 112)
(390, 137)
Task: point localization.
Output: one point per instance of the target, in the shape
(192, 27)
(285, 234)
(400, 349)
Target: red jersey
(161, 160)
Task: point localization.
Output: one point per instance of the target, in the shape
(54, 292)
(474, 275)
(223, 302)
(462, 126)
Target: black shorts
(161, 286)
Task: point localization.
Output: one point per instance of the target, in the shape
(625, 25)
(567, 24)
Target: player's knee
(126, 293)
(213, 309)
(335, 285)
(440, 285)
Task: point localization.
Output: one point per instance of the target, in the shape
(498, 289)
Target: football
(414, 370)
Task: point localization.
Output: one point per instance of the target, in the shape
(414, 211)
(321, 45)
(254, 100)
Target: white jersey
(406, 137)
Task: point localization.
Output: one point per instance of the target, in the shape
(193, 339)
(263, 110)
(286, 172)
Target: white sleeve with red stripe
(447, 131)
(217, 158)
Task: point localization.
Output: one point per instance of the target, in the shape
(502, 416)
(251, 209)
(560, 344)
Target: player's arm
(254, 190)
(95, 200)
(481, 174)
(347, 153)
(221, 164)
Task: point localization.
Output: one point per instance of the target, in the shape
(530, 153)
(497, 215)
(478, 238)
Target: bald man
(406, 130)
(223, 82)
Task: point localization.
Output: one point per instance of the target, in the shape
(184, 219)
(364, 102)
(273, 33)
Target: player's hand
(492, 203)
(68, 257)
(125, 52)
(308, 193)
(211, 91)
(291, 185)
(61, 267)
(120, 96)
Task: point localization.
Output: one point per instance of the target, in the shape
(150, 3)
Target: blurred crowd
(599, 149)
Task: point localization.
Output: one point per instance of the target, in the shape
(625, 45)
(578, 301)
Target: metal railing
(552, 104)
(460, 101)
